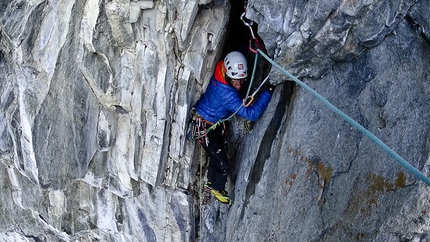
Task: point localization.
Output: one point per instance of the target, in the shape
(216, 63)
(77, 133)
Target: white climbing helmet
(236, 65)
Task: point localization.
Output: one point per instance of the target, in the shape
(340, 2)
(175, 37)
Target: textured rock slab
(95, 98)
(95, 102)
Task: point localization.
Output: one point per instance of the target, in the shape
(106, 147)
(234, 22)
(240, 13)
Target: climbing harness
(356, 125)
(418, 27)
(198, 127)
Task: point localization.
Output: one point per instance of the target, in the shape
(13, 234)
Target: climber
(221, 100)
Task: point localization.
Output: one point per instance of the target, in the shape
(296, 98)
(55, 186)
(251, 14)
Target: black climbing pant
(218, 162)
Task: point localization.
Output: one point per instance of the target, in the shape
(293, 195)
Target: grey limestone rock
(95, 99)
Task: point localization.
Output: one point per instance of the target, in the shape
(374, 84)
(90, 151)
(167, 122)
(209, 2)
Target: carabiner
(249, 24)
(246, 103)
(244, 22)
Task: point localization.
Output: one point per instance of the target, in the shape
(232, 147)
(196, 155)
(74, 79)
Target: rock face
(95, 98)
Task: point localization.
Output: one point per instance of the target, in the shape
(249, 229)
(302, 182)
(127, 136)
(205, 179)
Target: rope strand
(356, 125)
(201, 193)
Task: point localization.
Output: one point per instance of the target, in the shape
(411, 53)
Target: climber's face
(237, 83)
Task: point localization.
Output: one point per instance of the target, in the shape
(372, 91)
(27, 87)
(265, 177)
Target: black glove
(270, 88)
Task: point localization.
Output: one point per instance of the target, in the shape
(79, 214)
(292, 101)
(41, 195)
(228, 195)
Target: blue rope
(356, 125)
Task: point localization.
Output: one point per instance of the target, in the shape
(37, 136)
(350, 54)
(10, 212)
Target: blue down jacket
(221, 100)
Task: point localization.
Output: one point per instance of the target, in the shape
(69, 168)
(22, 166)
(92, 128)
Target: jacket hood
(220, 72)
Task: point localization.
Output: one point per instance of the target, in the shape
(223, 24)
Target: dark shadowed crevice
(241, 37)
(267, 141)
(238, 38)
(238, 34)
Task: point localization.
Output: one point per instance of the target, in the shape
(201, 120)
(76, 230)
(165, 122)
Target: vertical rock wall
(95, 97)
(323, 180)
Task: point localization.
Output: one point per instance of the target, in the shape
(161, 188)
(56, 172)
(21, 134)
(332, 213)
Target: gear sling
(211, 137)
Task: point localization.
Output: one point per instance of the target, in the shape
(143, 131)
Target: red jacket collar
(220, 72)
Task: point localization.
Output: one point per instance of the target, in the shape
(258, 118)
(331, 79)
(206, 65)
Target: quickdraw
(250, 99)
(254, 46)
(253, 40)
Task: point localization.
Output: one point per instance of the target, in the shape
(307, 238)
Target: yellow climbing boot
(222, 197)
